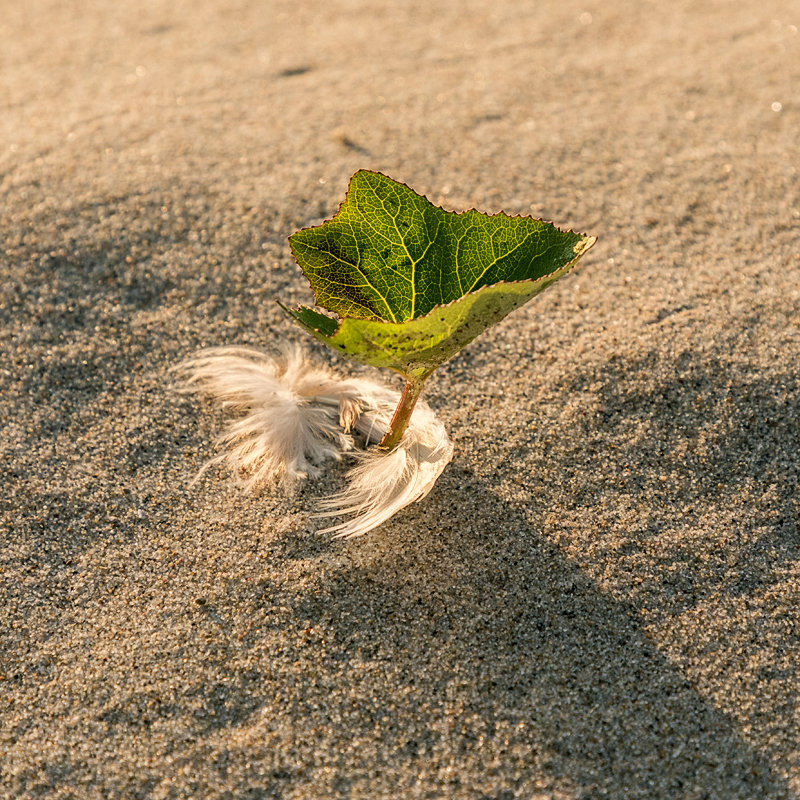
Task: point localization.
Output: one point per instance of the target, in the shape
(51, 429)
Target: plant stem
(402, 414)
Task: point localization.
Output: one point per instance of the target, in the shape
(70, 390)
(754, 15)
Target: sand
(600, 597)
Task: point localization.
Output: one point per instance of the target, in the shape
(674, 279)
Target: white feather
(382, 483)
(295, 416)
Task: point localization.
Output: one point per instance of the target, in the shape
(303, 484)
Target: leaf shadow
(698, 445)
(486, 643)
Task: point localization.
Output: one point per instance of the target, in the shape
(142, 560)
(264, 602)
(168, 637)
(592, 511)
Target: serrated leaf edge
(589, 240)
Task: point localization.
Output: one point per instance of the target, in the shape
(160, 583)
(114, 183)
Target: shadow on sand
(520, 667)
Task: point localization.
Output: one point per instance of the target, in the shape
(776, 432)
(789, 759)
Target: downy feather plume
(293, 416)
(381, 483)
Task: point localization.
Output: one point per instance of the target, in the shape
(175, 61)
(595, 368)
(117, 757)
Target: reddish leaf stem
(402, 414)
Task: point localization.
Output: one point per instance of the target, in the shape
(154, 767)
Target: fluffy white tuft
(293, 416)
(382, 483)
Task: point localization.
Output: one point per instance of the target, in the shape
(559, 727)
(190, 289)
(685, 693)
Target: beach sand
(600, 597)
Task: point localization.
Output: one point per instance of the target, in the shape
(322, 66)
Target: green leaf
(412, 283)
